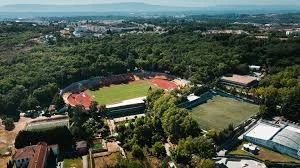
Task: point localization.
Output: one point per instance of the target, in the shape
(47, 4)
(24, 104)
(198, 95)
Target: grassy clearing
(97, 144)
(73, 163)
(265, 154)
(110, 160)
(220, 111)
(118, 93)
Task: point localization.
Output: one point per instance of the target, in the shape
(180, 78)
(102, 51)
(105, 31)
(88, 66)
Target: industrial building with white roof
(281, 137)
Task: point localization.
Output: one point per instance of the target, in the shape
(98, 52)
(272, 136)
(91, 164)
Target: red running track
(163, 84)
(84, 98)
(80, 99)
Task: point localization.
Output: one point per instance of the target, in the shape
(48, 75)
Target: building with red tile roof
(34, 156)
(235, 80)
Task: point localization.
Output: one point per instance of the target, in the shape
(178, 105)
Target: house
(34, 156)
(242, 81)
(82, 147)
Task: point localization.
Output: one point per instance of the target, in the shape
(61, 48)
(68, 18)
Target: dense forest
(31, 72)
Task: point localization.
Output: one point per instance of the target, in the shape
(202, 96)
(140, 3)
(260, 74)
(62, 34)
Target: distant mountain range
(114, 7)
(141, 8)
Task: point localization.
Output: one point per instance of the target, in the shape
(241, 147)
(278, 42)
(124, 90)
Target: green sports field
(117, 93)
(220, 111)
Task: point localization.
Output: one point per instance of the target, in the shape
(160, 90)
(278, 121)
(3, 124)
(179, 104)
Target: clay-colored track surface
(82, 98)
(163, 84)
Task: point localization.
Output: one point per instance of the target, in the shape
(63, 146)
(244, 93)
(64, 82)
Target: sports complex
(124, 95)
(118, 89)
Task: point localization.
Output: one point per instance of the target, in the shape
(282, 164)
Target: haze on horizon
(186, 3)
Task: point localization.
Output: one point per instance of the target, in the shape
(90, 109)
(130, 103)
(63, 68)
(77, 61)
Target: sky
(189, 3)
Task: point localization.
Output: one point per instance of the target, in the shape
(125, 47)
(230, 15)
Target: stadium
(124, 92)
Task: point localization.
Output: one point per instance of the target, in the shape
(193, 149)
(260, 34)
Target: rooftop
(36, 154)
(240, 163)
(289, 137)
(263, 131)
(192, 97)
(138, 100)
(283, 134)
(239, 79)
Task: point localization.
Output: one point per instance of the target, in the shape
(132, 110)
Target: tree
(181, 156)
(94, 111)
(32, 102)
(51, 161)
(162, 104)
(122, 163)
(58, 100)
(50, 136)
(291, 106)
(9, 124)
(201, 147)
(206, 163)
(10, 164)
(137, 151)
(212, 134)
(242, 69)
(158, 149)
(200, 90)
(153, 96)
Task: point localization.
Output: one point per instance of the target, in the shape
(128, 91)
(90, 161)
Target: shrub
(9, 124)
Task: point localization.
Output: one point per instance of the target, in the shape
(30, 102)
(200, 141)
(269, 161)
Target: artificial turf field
(117, 93)
(220, 111)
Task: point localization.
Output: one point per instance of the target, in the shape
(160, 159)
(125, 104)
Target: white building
(239, 163)
(293, 33)
(284, 138)
(254, 67)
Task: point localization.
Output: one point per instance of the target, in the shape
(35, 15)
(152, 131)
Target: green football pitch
(117, 93)
(220, 111)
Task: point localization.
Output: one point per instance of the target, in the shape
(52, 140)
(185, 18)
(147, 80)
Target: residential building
(34, 156)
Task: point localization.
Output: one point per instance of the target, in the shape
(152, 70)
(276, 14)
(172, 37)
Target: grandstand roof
(263, 131)
(192, 97)
(138, 100)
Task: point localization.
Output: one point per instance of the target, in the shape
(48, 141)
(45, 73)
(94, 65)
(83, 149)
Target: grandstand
(126, 108)
(46, 123)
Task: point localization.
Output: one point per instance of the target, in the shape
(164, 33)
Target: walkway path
(85, 161)
(171, 163)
